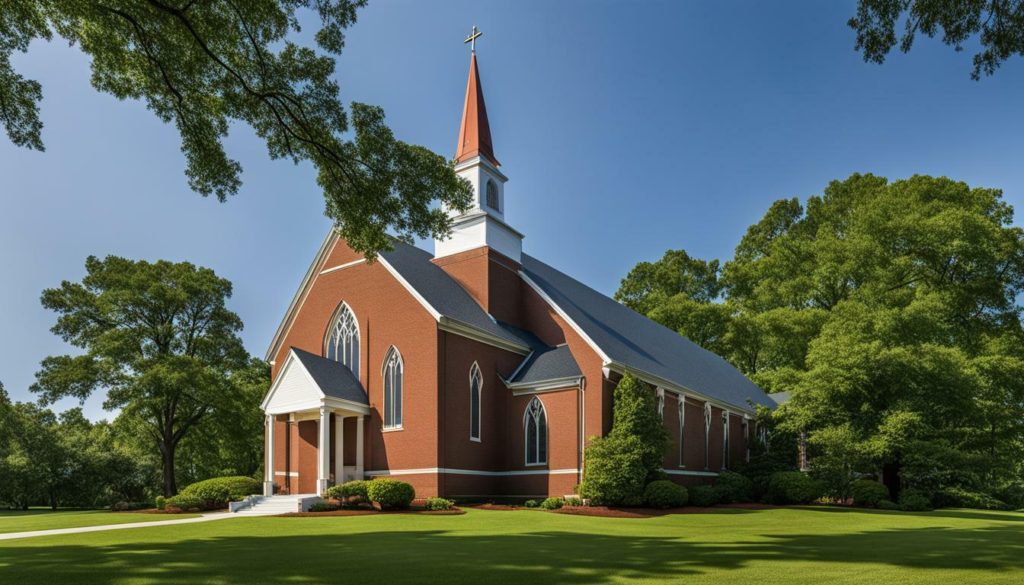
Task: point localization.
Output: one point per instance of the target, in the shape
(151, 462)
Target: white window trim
(332, 327)
(660, 392)
(725, 440)
(526, 436)
(474, 371)
(681, 398)
(707, 435)
(392, 351)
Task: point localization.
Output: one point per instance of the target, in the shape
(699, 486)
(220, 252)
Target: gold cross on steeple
(471, 39)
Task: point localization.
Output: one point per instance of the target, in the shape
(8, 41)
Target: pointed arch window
(492, 196)
(707, 435)
(394, 372)
(343, 340)
(535, 424)
(476, 386)
(725, 441)
(682, 430)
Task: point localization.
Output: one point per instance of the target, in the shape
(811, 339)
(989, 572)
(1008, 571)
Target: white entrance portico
(312, 390)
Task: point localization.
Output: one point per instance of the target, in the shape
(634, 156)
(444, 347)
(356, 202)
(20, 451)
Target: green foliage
(438, 504)
(324, 507)
(620, 464)
(552, 503)
(531, 504)
(664, 493)
(390, 493)
(160, 502)
(211, 65)
(996, 26)
(912, 500)
(733, 487)
(159, 340)
(954, 497)
(888, 505)
(649, 284)
(702, 495)
(868, 492)
(573, 501)
(216, 492)
(793, 487)
(355, 488)
(185, 503)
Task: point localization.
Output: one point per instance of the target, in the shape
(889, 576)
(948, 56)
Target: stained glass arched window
(343, 341)
(535, 424)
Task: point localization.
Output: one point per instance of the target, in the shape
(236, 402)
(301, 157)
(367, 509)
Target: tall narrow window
(393, 374)
(476, 384)
(707, 435)
(492, 196)
(343, 340)
(726, 463)
(535, 424)
(746, 439)
(682, 430)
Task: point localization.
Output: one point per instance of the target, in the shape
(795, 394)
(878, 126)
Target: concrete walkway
(81, 529)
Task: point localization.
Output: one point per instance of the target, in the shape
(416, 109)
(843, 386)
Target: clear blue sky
(626, 128)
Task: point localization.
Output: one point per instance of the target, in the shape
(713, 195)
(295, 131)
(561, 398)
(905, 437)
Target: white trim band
(448, 470)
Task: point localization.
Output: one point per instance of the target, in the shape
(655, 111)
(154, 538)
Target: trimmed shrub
(953, 497)
(390, 493)
(888, 505)
(324, 507)
(703, 496)
(615, 473)
(160, 502)
(792, 487)
(185, 502)
(531, 503)
(760, 469)
(733, 487)
(912, 500)
(439, 504)
(216, 492)
(574, 501)
(665, 494)
(350, 492)
(867, 492)
(552, 503)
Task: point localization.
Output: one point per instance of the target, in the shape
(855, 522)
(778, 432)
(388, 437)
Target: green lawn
(809, 545)
(18, 521)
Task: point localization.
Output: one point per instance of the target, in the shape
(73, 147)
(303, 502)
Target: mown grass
(46, 519)
(794, 545)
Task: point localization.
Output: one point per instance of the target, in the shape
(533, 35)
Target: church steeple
(483, 225)
(475, 132)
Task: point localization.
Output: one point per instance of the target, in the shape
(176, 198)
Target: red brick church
(478, 370)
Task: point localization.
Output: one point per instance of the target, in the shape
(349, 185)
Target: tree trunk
(167, 452)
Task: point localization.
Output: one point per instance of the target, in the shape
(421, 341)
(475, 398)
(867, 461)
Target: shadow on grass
(964, 514)
(541, 557)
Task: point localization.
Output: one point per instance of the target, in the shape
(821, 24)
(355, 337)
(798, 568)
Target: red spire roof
(475, 133)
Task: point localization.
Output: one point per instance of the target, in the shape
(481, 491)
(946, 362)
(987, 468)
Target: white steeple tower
(484, 223)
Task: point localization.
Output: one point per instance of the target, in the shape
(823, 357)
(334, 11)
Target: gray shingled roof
(630, 339)
(333, 378)
(443, 293)
(551, 363)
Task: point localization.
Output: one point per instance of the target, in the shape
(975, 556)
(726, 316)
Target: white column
(339, 448)
(359, 448)
(324, 451)
(268, 483)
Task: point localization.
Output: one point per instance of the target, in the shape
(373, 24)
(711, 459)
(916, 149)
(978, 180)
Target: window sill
(537, 464)
(475, 439)
(392, 429)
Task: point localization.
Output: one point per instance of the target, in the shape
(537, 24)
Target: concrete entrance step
(273, 505)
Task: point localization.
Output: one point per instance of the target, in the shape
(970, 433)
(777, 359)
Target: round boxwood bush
(867, 492)
(888, 505)
(185, 502)
(531, 503)
(160, 502)
(912, 500)
(792, 487)
(216, 492)
(665, 494)
(703, 496)
(552, 503)
(439, 504)
(324, 507)
(734, 487)
(390, 493)
(350, 492)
